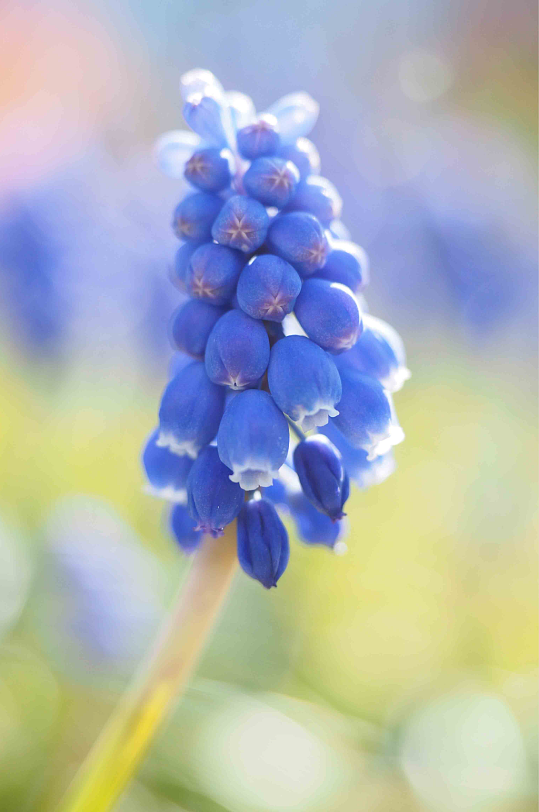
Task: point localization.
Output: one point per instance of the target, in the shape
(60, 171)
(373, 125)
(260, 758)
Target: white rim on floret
(171, 494)
(318, 416)
(187, 448)
(380, 444)
(396, 379)
(252, 475)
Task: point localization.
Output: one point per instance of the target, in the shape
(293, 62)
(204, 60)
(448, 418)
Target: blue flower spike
(263, 548)
(272, 181)
(242, 223)
(275, 327)
(238, 351)
(268, 288)
(213, 500)
(321, 473)
(190, 412)
(329, 314)
(253, 439)
(304, 381)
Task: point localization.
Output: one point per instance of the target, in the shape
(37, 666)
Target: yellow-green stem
(114, 759)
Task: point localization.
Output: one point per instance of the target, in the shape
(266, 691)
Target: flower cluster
(277, 336)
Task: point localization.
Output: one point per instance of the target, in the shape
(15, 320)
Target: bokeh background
(400, 677)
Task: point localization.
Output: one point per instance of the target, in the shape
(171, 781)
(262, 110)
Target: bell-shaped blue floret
(213, 500)
(253, 439)
(166, 472)
(238, 350)
(191, 326)
(178, 272)
(379, 352)
(213, 273)
(210, 170)
(268, 287)
(304, 381)
(190, 412)
(366, 414)
(329, 314)
(272, 181)
(314, 527)
(348, 264)
(363, 472)
(173, 149)
(242, 223)
(263, 548)
(260, 138)
(318, 196)
(194, 216)
(242, 108)
(184, 529)
(299, 238)
(303, 155)
(205, 114)
(321, 473)
(296, 114)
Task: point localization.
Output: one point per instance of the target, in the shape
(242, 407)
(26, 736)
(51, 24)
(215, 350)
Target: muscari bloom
(255, 276)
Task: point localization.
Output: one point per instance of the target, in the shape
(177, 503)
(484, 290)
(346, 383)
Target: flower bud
(366, 415)
(184, 529)
(206, 116)
(242, 223)
(268, 288)
(166, 472)
(348, 264)
(322, 476)
(329, 314)
(191, 326)
(213, 273)
(238, 350)
(318, 196)
(299, 238)
(210, 170)
(303, 155)
(304, 381)
(178, 272)
(253, 439)
(194, 216)
(379, 352)
(190, 412)
(263, 549)
(213, 500)
(260, 138)
(272, 181)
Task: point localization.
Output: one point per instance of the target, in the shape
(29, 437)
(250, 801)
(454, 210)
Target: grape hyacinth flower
(255, 276)
(240, 440)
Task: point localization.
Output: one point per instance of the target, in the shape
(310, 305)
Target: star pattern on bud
(288, 398)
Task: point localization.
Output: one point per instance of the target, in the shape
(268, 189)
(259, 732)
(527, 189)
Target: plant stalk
(120, 748)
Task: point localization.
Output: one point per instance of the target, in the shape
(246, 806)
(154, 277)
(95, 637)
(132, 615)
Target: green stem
(113, 760)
